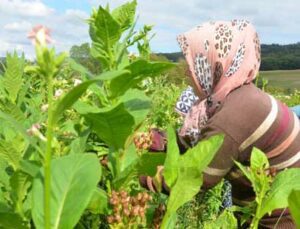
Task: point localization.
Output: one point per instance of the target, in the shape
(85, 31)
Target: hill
(274, 56)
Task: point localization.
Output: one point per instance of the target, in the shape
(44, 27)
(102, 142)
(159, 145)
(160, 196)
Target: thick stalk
(48, 154)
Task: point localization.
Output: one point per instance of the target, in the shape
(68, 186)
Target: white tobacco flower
(58, 93)
(44, 107)
(34, 129)
(77, 82)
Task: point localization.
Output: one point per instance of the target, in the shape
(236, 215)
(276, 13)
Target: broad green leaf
(104, 28)
(4, 177)
(19, 127)
(79, 68)
(124, 14)
(19, 183)
(128, 157)
(172, 160)
(139, 69)
(10, 220)
(294, 206)
(98, 203)
(114, 125)
(31, 168)
(13, 110)
(169, 220)
(191, 166)
(10, 154)
(12, 80)
(137, 103)
(79, 144)
(123, 179)
(225, 221)
(244, 170)
(145, 165)
(85, 108)
(72, 96)
(148, 163)
(105, 32)
(73, 181)
(258, 160)
(281, 188)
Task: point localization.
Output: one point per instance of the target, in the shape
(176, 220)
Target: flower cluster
(143, 140)
(128, 209)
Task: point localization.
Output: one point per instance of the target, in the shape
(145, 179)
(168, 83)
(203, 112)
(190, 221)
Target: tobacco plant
(272, 192)
(184, 174)
(42, 185)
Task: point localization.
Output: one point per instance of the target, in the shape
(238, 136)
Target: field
(283, 78)
(90, 146)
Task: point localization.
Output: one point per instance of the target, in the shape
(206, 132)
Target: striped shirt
(251, 118)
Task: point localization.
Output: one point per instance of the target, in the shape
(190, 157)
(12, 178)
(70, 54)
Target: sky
(276, 21)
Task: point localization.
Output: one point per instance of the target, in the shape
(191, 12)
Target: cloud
(18, 26)
(34, 8)
(275, 21)
(17, 17)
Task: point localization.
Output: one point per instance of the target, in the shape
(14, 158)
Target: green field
(283, 78)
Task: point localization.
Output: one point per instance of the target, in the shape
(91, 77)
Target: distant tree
(176, 75)
(274, 56)
(81, 54)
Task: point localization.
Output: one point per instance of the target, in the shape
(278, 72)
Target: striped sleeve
(223, 160)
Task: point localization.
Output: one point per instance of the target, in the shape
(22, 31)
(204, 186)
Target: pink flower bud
(40, 35)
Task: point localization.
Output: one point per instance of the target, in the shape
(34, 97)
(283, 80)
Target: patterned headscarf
(221, 57)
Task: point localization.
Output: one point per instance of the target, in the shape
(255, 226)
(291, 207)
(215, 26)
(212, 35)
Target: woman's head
(221, 56)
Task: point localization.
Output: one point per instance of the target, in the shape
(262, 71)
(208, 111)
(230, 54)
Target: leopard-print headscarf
(221, 56)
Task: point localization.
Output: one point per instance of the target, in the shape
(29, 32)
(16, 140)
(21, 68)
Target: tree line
(274, 57)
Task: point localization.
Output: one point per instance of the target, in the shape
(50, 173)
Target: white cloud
(18, 26)
(34, 8)
(276, 21)
(67, 28)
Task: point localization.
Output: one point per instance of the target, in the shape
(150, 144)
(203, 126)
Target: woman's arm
(213, 174)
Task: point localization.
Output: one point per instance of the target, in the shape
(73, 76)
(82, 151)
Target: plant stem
(48, 154)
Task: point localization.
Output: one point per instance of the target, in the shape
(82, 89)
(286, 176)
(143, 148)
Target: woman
(223, 59)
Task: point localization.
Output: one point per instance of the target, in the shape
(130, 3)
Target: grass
(283, 78)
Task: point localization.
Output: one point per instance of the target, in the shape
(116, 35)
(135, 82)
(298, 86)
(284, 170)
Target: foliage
(271, 192)
(189, 174)
(49, 174)
(67, 154)
(294, 206)
(74, 181)
(225, 221)
(81, 54)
